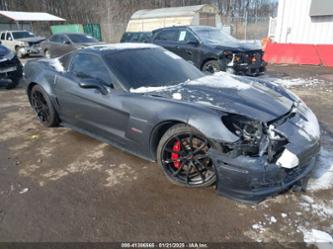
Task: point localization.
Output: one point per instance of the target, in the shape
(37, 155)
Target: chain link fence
(251, 28)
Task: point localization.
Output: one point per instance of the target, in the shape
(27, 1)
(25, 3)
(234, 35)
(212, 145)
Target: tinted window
(81, 38)
(54, 38)
(8, 36)
(136, 37)
(216, 36)
(186, 36)
(22, 34)
(150, 67)
(90, 66)
(3, 36)
(167, 35)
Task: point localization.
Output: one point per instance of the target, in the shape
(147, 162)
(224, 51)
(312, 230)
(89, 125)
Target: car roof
(70, 33)
(193, 27)
(103, 48)
(2, 31)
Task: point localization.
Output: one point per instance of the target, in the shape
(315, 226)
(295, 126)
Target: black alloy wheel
(44, 109)
(184, 157)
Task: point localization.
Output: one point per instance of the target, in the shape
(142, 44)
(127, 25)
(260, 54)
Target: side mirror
(93, 84)
(67, 42)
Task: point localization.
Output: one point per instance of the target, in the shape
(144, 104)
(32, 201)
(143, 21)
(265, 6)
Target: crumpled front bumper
(254, 178)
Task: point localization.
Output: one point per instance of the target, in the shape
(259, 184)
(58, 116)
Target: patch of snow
(316, 237)
(258, 227)
(323, 210)
(23, 191)
(307, 198)
(322, 176)
(273, 220)
(177, 96)
(310, 125)
(149, 89)
(204, 103)
(289, 82)
(172, 55)
(221, 80)
(56, 64)
(284, 215)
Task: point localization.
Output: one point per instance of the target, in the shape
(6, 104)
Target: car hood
(87, 44)
(237, 46)
(32, 39)
(232, 94)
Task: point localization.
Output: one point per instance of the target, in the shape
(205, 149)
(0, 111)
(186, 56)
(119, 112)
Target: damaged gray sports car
(253, 138)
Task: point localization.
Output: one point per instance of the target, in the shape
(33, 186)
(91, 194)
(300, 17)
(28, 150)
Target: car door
(66, 45)
(9, 41)
(188, 47)
(89, 109)
(167, 39)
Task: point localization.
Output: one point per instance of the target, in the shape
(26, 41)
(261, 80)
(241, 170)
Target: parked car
(144, 37)
(211, 50)
(62, 43)
(10, 68)
(23, 42)
(255, 137)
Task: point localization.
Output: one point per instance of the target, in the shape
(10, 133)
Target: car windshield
(22, 34)
(215, 36)
(82, 38)
(150, 67)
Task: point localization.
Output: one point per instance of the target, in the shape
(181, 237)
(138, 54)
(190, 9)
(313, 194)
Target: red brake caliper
(175, 156)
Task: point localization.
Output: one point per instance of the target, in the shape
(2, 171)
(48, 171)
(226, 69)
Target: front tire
(43, 107)
(182, 154)
(211, 66)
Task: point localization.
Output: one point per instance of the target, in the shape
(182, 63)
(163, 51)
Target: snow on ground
(289, 82)
(322, 176)
(316, 237)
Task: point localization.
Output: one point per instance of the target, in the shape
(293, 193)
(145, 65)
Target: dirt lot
(58, 185)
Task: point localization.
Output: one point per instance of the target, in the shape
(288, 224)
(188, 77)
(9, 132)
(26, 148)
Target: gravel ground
(59, 185)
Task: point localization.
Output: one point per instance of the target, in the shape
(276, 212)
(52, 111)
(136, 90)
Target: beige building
(148, 20)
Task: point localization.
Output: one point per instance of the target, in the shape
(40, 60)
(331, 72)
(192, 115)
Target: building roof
(19, 16)
(169, 12)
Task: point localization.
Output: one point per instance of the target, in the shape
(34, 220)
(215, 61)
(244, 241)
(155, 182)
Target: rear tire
(43, 107)
(189, 166)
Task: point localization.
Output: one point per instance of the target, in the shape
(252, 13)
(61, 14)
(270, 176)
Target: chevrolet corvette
(252, 137)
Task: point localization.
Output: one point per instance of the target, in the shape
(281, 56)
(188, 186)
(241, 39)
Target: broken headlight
(248, 130)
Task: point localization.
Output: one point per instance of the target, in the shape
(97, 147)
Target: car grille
(250, 58)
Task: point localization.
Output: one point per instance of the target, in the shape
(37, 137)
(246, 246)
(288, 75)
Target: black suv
(211, 50)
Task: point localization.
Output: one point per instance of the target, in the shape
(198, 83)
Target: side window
(54, 38)
(185, 36)
(63, 39)
(3, 35)
(90, 66)
(9, 36)
(167, 35)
